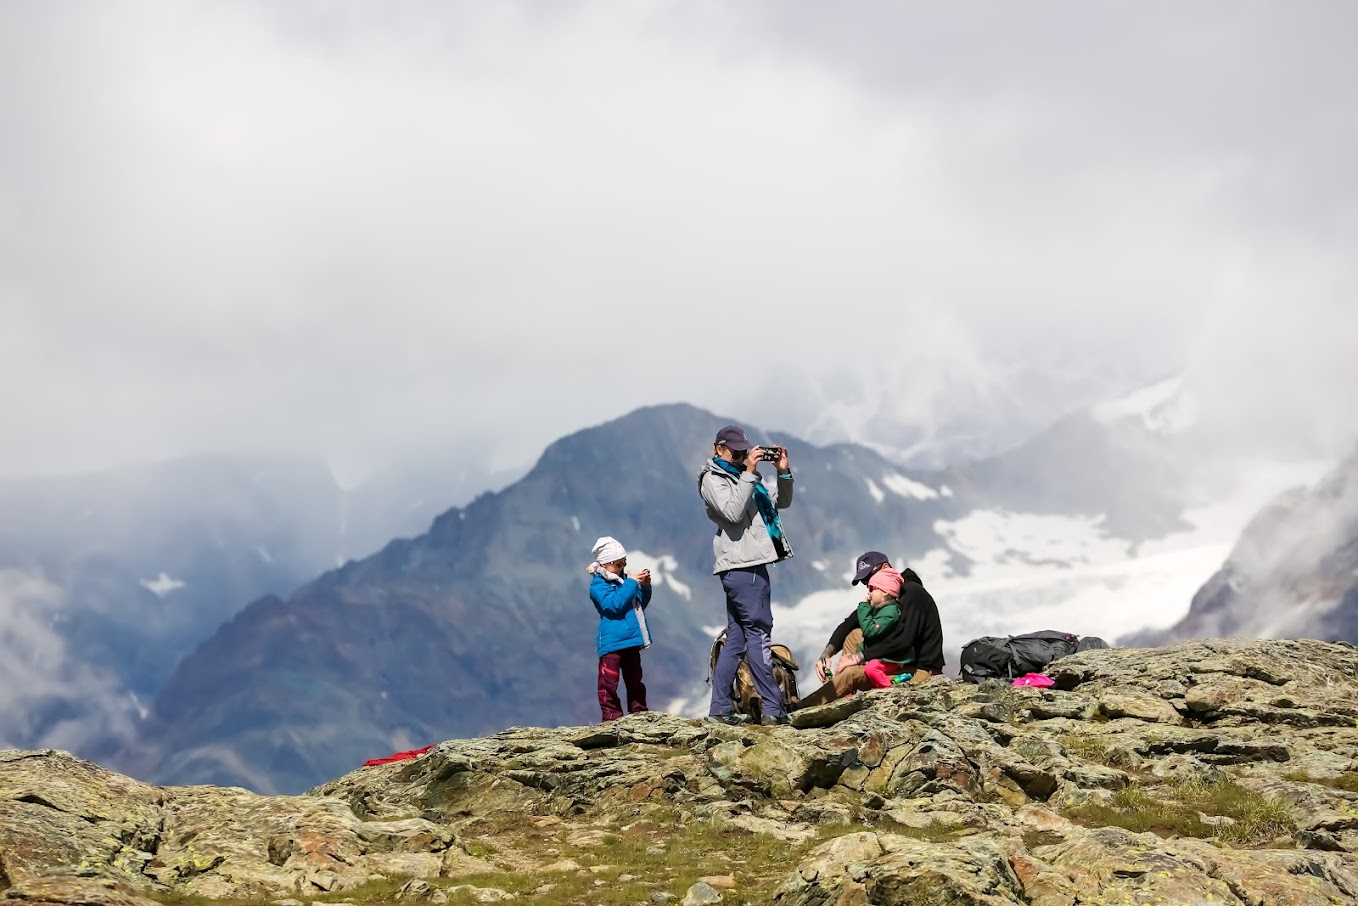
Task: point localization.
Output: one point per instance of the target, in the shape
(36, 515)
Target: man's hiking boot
(781, 720)
(733, 719)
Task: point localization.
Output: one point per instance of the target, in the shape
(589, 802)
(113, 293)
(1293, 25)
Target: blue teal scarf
(762, 499)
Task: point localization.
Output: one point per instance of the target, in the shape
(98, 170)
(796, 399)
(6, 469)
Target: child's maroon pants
(625, 664)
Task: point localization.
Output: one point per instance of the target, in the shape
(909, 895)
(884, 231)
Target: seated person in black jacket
(897, 627)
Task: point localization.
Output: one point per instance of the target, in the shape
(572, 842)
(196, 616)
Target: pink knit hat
(887, 579)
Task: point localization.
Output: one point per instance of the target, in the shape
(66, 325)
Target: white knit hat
(608, 549)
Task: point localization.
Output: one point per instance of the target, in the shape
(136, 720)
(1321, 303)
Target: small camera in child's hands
(771, 454)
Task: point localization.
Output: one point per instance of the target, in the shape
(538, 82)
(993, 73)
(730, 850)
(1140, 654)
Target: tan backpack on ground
(744, 695)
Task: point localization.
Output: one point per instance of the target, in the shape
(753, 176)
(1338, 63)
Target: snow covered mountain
(1293, 572)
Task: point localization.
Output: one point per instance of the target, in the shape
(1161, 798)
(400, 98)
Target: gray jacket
(742, 539)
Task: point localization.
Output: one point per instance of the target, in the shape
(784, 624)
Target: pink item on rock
(1035, 679)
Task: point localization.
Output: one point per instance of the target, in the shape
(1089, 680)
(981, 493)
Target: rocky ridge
(1219, 772)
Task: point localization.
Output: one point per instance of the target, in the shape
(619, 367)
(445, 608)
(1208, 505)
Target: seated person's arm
(836, 642)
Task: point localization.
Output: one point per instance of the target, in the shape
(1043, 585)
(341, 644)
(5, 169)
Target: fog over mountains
(108, 579)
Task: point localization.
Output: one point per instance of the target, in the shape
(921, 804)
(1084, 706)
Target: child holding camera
(621, 602)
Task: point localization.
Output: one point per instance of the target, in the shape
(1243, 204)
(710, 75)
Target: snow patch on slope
(1102, 590)
(876, 492)
(662, 569)
(1164, 408)
(1000, 573)
(899, 484)
(995, 540)
(161, 585)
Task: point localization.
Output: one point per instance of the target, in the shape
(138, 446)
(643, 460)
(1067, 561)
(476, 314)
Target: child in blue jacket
(621, 602)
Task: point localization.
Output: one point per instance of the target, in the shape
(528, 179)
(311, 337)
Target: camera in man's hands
(771, 454)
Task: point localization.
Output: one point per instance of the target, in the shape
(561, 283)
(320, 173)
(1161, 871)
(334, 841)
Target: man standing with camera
(749, 537)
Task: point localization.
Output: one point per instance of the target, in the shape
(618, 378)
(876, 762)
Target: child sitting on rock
(881, 640)
(621, 602)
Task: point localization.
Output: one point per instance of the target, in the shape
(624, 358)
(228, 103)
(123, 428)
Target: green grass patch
(174, 898)
(1034, 838)
(699, 846)
(1095, 749)
(376, 891)
(664, 814)
(518, 884)
(656, 749)
(1179, 810)
(654, 855)
(933, 832)
(1258, 818)
(480, 849)
(1347, 781)
(379, 890)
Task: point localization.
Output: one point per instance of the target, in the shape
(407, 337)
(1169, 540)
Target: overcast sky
(366, 230)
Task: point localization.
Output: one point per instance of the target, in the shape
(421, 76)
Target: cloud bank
(368, 231)
(50, 697)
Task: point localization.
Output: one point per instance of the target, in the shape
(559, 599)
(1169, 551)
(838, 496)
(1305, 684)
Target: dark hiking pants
(624, 664)
(749, 621)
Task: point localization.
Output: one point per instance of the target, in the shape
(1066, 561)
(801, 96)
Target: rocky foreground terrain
(1221, 772)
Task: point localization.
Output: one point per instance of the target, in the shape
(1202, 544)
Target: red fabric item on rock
(399, 756)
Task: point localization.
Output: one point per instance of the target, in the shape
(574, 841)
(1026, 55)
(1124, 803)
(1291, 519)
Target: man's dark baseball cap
(733, 438)
(867, 565)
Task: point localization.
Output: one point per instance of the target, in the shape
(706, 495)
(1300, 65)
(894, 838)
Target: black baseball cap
(867, 565)
(733, 438)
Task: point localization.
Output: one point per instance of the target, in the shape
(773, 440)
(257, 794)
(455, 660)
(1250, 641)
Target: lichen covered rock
(1221, 772)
